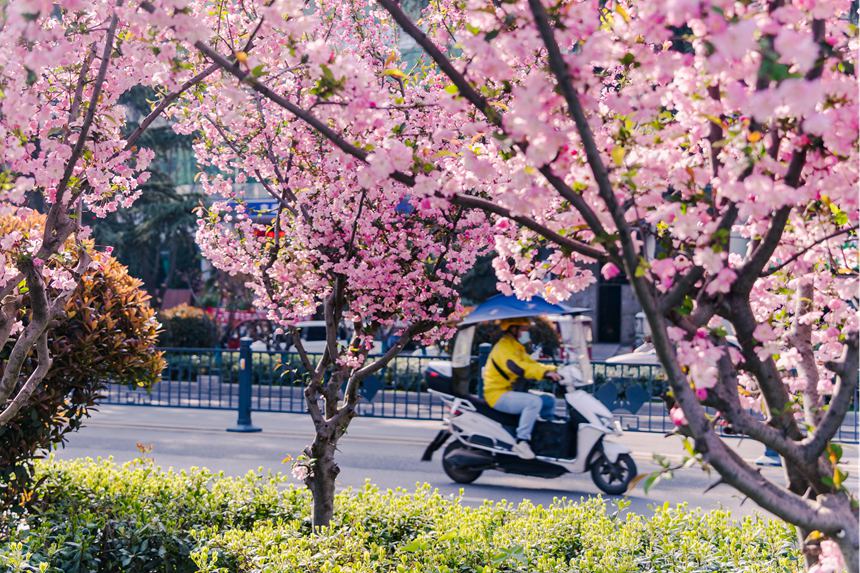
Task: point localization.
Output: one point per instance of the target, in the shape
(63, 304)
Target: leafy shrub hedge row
(97, 516)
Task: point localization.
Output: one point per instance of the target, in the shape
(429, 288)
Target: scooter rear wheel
(459, 475)
(613, 478)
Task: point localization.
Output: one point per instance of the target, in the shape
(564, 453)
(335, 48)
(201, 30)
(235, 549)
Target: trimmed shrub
(108, 334)
(187, 326)
(134, 518)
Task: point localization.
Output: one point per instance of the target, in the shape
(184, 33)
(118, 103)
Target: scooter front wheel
(459, 475)
(613, 478)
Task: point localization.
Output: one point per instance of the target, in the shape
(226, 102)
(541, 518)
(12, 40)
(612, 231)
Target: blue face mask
(525, 337)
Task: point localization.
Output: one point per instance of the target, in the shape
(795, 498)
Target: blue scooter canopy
(502, 306)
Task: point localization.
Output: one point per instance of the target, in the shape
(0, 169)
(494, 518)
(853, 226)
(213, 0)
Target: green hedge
(97, 516)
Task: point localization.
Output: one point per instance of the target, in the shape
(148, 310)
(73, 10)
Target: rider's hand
(554, 376)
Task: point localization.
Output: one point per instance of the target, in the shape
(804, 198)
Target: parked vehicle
(313, 336)
(484, 438)
(642, 354)
(645, 354)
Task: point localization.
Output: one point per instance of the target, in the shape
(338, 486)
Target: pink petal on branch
(610, 271)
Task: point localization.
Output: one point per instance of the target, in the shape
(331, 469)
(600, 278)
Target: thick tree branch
(765, 371)
(840, 402)
(715, 134)
(78, 148)
(465, 88)
(801, 338)
(402, 341)
(794, 257)
(750, 271)
(9, 306)
(564, 242)
(40, 318)
(75, 107)
(682, 288)
(300, 349)
(36, 376)
(493, 115)
(165, 102)
(562, 75)
(726, 399)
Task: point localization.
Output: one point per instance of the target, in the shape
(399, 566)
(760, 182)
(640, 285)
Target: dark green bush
(186, 326)
(137, 518)
(108, 334)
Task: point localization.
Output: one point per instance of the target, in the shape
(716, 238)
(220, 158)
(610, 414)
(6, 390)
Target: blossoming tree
(638, 135)
(63, 67)
(343, 238)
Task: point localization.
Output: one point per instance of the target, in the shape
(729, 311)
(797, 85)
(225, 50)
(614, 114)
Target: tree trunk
(321, 480)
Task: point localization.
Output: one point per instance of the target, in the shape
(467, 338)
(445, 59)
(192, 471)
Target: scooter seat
(483, 408)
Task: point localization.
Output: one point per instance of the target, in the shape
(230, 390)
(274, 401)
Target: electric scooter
(484, 439)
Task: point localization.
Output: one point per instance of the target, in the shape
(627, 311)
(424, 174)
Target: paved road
(385, 451)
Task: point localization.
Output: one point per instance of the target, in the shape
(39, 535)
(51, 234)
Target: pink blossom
(830, 560)
(676, 414)
(796, 48)
(736, 41)
(300, 472)
(764, 332)
(610, 271)
(722, 283)
(664, 270)
(709, 259)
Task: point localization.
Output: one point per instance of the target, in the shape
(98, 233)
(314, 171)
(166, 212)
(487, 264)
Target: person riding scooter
(507, 368)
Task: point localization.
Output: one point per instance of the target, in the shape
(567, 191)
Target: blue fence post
(243, 423)
(483, 355)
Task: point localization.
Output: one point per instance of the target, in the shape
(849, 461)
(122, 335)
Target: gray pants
(529, 407)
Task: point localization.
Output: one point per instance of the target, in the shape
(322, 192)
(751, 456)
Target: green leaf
(452, 89)
(415, 545)
(394, 72)
(686, 307)
(258, 71)
(651, 481)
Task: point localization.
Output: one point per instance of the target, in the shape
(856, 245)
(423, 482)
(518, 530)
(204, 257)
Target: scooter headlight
(606, 421)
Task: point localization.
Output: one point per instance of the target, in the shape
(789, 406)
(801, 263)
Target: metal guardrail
(254, 381)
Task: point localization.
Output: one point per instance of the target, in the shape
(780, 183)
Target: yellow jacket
(512, 359)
